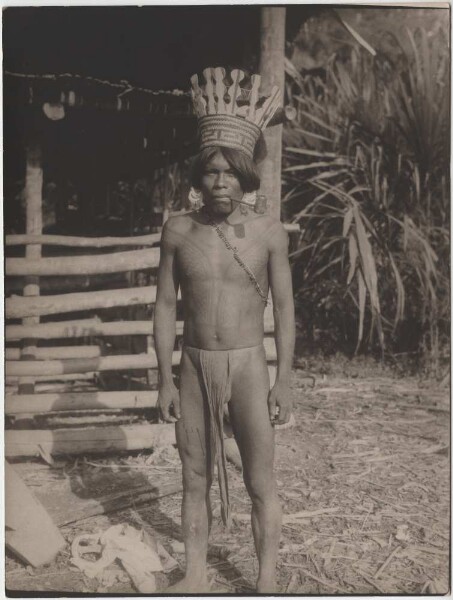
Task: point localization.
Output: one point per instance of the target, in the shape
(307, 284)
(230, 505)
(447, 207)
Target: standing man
(225, 257)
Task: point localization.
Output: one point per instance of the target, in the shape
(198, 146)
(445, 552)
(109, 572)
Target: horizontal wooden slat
(291, 227)
(82, 242)
(88, 440)
(20, 306)
(49, 331)
(69, 285)
(60, 352)
(16, 404)
(13, 379)
(114, 262)
(21, 368)
(268, 311)
(47, 387)
(92, 327)
(56, 383)
(270, 348)
(75, 377)
(98, 242)
(57, 402)
(82, 365)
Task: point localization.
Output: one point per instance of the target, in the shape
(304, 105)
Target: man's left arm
(283, 307)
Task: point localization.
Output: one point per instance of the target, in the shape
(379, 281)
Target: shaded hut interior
(98, 115)
(122, 76)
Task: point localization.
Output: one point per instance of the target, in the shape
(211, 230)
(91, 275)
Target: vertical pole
(33, 200)
(166, 203)
(272, 71)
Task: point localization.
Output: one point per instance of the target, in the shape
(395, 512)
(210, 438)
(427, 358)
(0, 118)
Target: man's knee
(261, 487)
(195, 459)
(196, 479)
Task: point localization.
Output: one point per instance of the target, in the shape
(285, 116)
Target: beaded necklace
(238, 259)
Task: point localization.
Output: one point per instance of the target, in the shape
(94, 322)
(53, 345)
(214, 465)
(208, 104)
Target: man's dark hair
(244, 167)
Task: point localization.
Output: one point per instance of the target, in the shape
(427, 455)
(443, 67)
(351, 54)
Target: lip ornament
(259, 205)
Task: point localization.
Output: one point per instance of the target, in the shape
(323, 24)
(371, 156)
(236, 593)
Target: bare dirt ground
(363, 478)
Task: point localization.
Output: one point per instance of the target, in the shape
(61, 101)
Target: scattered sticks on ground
(363, 478)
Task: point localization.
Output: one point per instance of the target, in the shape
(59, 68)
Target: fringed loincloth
(216, 370)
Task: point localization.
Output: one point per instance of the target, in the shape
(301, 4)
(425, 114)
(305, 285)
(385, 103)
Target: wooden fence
(32, 363)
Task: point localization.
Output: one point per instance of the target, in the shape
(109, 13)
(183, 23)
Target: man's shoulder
(270, 226)
(178, 225)
(180, 222)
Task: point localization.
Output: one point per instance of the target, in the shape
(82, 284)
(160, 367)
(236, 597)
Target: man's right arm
(165, 323)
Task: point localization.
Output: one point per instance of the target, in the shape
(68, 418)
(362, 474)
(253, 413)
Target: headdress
(230, 115)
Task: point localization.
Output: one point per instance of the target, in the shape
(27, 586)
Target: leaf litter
(363, 478)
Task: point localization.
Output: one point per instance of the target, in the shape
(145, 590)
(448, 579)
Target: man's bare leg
(255, 437)
(192, 435)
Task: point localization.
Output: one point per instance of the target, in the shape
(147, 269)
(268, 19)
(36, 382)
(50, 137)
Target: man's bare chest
(206, 256)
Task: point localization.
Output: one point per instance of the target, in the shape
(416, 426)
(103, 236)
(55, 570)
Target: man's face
(220, 185)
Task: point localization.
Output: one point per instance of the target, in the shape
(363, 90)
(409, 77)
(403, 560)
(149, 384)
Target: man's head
(223, 175)
(231, 121)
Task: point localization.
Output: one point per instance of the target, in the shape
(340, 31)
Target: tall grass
(366, 176)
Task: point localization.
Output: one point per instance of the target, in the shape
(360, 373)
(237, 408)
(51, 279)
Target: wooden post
(33, 199)
(272, 71)
(166, 203)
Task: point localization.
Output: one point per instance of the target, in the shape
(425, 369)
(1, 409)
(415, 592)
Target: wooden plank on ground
(88, 440)
(114, 262)
(66, 508)
(30, 532)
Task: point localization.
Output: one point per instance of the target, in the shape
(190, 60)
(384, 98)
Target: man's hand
(168, 401)
(280, 403)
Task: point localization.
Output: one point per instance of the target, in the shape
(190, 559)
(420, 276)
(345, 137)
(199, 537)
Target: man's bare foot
(189, 585)
(266, 587)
